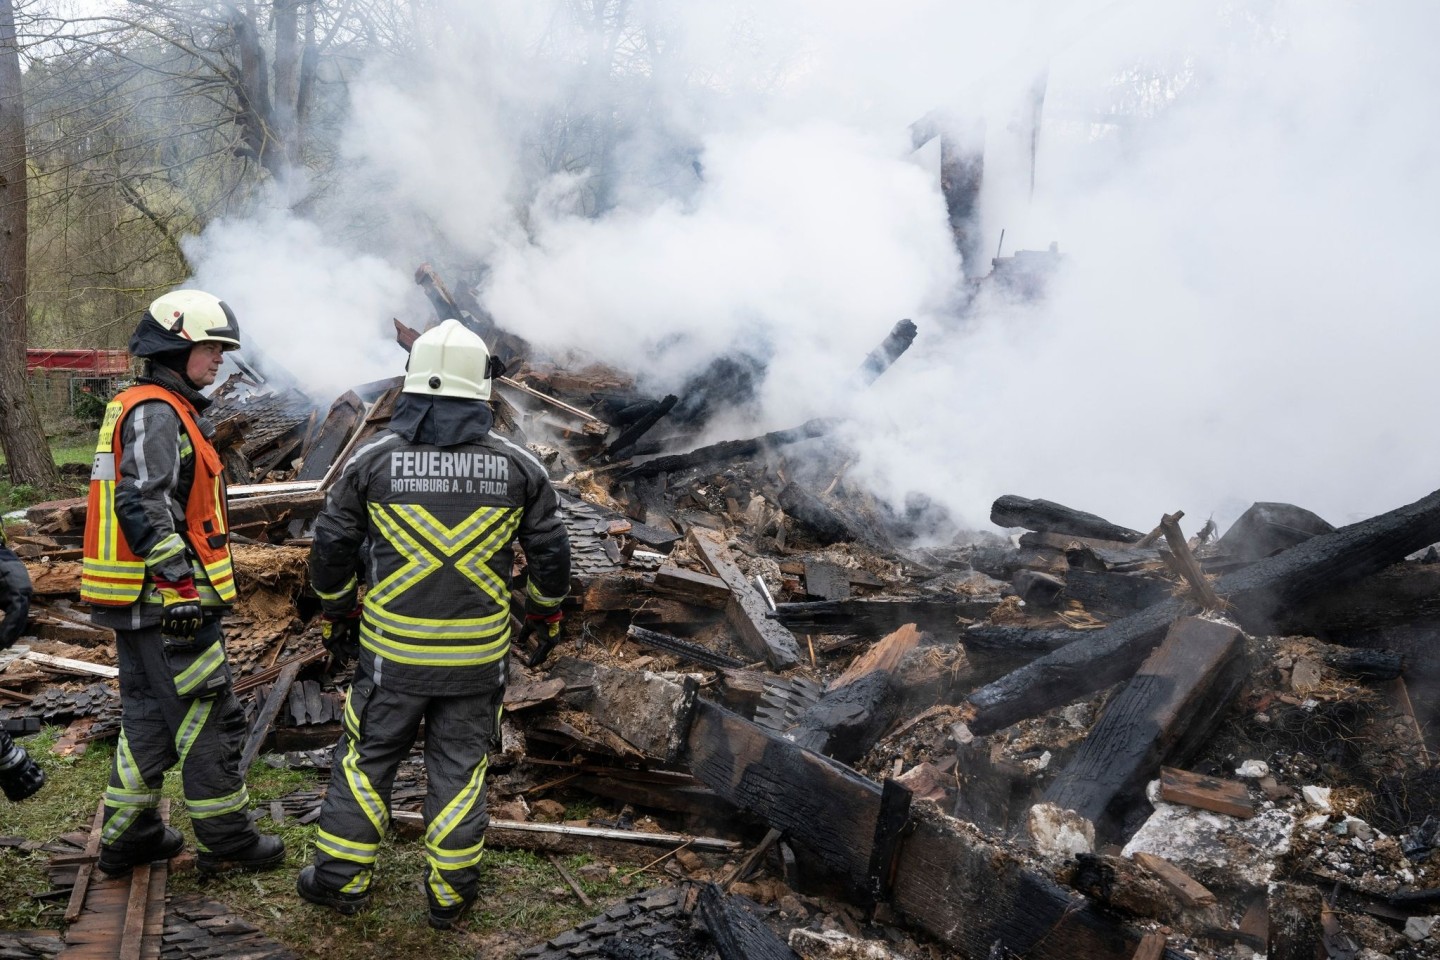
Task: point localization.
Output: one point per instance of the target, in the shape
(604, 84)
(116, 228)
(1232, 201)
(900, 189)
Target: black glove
(182, 616)
(546, 626)
(14, 597)
(341, 636)
(19, 776)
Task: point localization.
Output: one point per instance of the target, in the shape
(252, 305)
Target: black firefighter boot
(315, 890)
(265, 853)
(118, 861)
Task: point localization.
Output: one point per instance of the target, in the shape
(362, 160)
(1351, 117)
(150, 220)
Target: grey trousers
(158, 729)
(380, 729)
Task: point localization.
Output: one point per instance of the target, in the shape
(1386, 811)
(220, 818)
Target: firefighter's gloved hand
(19, 776)
(545, 626)
(341, 636)
(182, 615)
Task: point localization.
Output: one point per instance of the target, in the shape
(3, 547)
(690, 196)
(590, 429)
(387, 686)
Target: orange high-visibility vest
(112, 575)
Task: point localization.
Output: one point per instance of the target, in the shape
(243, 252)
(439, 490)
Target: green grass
(522, 898)
(66, 451)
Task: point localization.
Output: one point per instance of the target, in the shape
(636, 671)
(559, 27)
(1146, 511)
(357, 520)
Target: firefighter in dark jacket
(440, 499)
(157, 571)
(19, 776)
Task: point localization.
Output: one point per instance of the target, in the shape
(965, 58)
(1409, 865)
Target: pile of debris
(1082, 740)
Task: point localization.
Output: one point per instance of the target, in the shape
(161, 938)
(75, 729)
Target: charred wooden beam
(1044, 515)
(1163, 715)
(1114, 594)
(683, 649)
(889, 350)
(320, 451)
(860, 705)
(949, 882)
(732, 449)
(1260, 596)
(877, 618)
(763, 637)
(624, 444)
(737, 932)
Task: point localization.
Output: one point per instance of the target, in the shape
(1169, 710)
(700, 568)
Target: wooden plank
(266, 717)
(701, 589)
(1164, 714)
(763, 637)
(1152, 947)
(826, 581)
(1180, 550)
(1206, 793)
(882, 657)
(82, 879)
(1190, 891)
(67, 665)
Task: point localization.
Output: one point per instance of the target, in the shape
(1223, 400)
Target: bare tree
(25, 447)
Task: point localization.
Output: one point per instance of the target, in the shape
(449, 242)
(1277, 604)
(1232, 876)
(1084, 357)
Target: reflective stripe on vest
(428, 545)
(112, 575)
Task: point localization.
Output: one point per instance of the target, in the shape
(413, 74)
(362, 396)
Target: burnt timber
(1258, 595)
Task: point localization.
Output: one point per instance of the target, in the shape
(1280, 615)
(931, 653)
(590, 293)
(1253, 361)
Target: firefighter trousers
(380, 728)
(158, 729)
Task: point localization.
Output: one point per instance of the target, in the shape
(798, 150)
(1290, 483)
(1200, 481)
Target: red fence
(94, 363)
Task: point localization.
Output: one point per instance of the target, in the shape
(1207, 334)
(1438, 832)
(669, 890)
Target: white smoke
(315, 309)
(1242, 192)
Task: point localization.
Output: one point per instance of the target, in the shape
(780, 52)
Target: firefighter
(157, 570)
(440, 499)
(19, 776)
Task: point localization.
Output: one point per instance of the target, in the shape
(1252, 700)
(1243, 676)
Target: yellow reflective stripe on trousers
(127, 797)
(218, 806)
(351, 721)
(442, 859)
(191, 726)
(194, 676)
(364, 793)
(444, 894)
(341, 849)
(121, 797)
(348, 587)
(457, 808)
(125, 766)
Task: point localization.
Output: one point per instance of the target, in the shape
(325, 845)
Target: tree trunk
(20, 432)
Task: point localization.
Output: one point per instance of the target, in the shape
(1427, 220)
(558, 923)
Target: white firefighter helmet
(194, 316)
(449, 361)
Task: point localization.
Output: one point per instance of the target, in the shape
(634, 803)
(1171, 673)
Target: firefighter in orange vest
(157, 571)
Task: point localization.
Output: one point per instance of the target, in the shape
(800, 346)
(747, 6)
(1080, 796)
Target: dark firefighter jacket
(440, 500)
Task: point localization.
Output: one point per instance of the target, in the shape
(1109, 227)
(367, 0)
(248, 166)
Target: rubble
(1087, 740)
